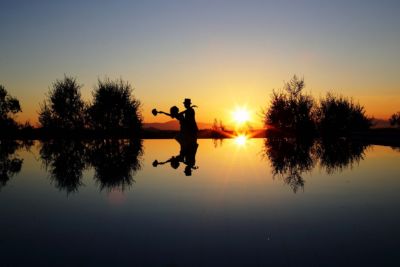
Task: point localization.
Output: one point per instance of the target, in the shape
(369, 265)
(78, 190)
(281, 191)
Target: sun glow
(241, 115)
(241, 140)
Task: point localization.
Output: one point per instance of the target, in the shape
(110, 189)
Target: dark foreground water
(246, 203)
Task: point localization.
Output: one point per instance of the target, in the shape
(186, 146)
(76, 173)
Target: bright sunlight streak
(241, 115)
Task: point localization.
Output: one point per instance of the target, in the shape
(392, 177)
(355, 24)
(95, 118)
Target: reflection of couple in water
(187, 137)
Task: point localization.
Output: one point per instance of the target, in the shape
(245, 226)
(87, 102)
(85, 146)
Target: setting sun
(241, 115)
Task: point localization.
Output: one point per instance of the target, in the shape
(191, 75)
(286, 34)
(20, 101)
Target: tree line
(113, 107)
(293, 111)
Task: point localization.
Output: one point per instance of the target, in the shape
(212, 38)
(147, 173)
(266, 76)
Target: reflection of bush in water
(289, 158)
(10, 164)
(115, 161)
(65, 161)
(336, 155)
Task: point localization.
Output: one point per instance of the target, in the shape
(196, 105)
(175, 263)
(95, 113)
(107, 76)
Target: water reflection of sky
(232, 211)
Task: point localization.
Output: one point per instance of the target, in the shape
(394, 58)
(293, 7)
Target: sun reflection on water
(241, 140)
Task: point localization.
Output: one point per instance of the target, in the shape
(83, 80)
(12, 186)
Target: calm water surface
(246, 203)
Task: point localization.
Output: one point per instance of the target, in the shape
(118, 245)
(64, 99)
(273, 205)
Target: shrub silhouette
(64, 107)
(114, 106)
(9, 106)
(395, 119)
(340, 115)
(290, 109)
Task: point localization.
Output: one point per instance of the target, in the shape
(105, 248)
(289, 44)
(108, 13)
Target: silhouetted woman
(175, 114)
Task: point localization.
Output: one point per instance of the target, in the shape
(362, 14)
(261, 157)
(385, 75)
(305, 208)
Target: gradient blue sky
(219, 53)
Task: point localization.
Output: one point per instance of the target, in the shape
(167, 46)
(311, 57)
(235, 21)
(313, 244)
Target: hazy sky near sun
(219, 53)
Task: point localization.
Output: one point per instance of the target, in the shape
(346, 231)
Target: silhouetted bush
(340, 115)
(9, 106)
(290, 110)
(114, 106)
(395, 119)
(64, 107)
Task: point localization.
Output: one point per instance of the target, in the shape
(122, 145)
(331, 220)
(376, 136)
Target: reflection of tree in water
(10, 164)
(217, 142)
(65, 162)
(289, 158)
(115, 161)
(338, 154)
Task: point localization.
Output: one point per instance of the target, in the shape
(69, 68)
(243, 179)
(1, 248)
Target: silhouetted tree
(290, 109)
(115, 161)
(217, 130)
(221, 126)
(10, 164)
(9, 106)
(395, 119)
(215, 125)
(64, 107)
(340, 115)
(65, 161)
(114, 106)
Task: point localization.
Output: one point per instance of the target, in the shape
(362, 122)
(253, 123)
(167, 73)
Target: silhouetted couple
(187, 137)
(187, 120)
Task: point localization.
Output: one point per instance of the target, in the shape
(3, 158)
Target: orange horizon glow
(258, 98)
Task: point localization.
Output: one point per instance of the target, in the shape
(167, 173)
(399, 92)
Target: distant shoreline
(376, 136)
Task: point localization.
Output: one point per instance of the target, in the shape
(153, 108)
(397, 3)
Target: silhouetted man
(189, 118)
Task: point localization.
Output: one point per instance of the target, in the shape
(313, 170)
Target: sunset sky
(221, 54)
